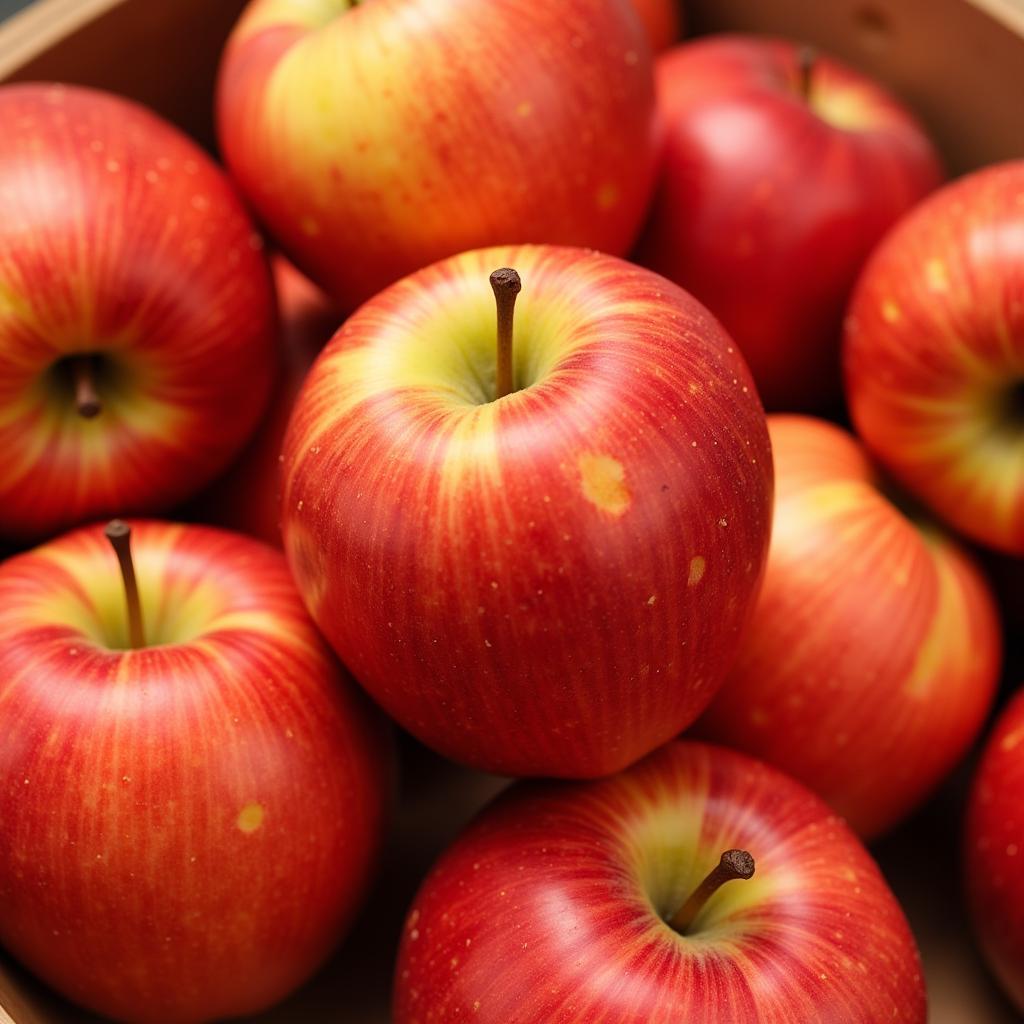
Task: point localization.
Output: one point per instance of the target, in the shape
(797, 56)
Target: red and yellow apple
(248, 496)
(136, 312)
(375, 138)
(934, 354)
(569, 902)
(548, 583)
(780, 174)
(873, 653)
(995, 846)
(189, 823)
(662, 19)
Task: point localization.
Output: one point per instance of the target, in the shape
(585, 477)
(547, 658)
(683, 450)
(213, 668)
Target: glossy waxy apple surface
(554, 582)
(553, 907)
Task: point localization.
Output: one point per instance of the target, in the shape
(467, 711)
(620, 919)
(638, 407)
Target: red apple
(248, 496)
(873, 654)
(376, 138)
(136, 312)
(662, 19)
(934, 354)
(995, 846)
(779, 177)
(189, 821)
(551, 582)
(568, 902)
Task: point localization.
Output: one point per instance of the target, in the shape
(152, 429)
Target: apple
(550, 582)
(934, 354)
(873, 654)
(248, 496)
(662, 19)
(782, 170)
(374, 138)
(136, 312)
(584, 902)
(191, 790)
(995, 844)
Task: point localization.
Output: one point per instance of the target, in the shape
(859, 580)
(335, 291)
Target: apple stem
(506, 285)
(806, 61)
(733, 864)
(87, 399)
(119, 534)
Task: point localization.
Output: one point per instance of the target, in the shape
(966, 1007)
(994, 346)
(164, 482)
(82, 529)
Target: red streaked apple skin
(551, 908)
(549, 584)
(995, 845)
(934, 354)
(119, 236)
(376, 139)
(768, 205)
(189, 827)
(663, 21)
(248, 496)
(874, 650)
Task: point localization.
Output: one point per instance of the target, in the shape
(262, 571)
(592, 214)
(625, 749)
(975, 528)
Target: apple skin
(934, 354)
(119, 236)
(552, 907)
(768, 204)
(378, 139)
(188, 827)
(553, 583)
(995, 843)
(874, 651)
(247, 497)
(663, 21)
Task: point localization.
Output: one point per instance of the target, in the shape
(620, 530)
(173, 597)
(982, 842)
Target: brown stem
(806, 61)
(506, 285)
(120, 536)
(83, 374)
(734, 864)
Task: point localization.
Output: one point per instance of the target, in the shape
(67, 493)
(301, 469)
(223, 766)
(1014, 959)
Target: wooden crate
(959, 63)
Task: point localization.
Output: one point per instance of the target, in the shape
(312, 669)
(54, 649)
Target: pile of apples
(529, 501)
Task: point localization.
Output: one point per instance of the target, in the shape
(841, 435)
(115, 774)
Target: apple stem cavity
(83, 375)
(119, 534)
(733, 864)
(806, 61)
(506, 285)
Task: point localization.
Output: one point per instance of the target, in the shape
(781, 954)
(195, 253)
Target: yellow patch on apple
(603, 480)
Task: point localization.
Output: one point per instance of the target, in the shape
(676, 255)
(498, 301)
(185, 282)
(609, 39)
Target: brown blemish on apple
(607, 196)
(307, 562)
(250, 818)
(603, 481)
(697, 566)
